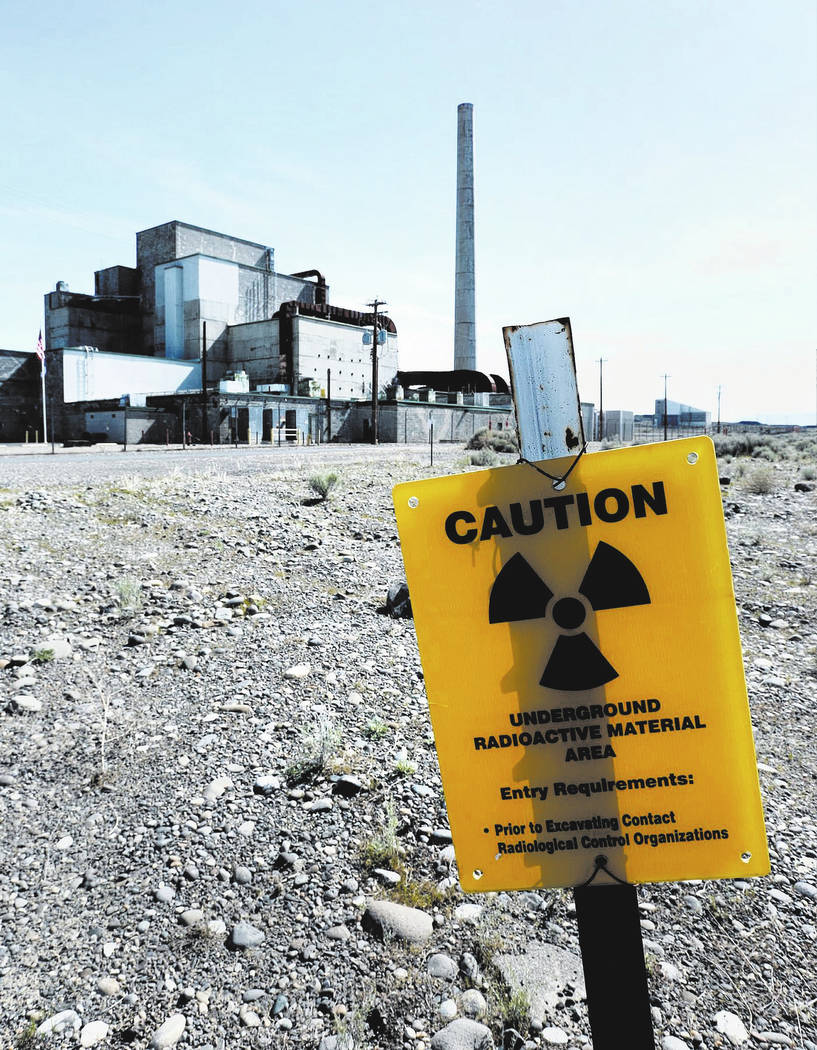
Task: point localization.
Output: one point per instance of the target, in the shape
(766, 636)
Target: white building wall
(91, 375)
(324, 345)
(189, 291)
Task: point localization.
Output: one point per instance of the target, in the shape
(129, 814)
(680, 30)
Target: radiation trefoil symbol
(610, 582)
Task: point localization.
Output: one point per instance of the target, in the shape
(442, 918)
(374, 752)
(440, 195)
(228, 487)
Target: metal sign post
(548, 416)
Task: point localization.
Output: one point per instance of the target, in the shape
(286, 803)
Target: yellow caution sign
(583, 669)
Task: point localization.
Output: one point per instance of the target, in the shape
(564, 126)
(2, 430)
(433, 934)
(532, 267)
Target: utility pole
(203, 382)
(719, 408)
(666, 377)
(601, 398)
(328, 404)
(375, 307)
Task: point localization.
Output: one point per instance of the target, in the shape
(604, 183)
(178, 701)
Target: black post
(204, 384)
(51, 413)
(431, 442)
(618, 1001)
(184, 424)
(666, 377)
(125, 435)
(328, 404)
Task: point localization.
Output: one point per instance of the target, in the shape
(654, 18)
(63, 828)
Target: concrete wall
(144, 425)
(618, 425)
(79, 320)
(116, 280)
(408, 422)
(90, 375)
(20, 398)
(322, 345)
(194, 290)
(255, 348)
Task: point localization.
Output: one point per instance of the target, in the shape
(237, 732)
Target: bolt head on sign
(583, 668)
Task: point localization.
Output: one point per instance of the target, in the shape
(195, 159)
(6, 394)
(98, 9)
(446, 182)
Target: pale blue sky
(646, 168)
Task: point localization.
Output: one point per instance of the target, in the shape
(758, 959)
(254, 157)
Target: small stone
(191, 917)
(338, 933)
(382, 918)
(22, 703)
(669, 971)
(249, 1018)
(60, 648)
(164, 893)
(468, 912)
(448, 1009)
(805, 889)
(242, 875)
(463, 1034)
(473, 1004)
(266, 785)
(555, 1036)
(60, 1022)
(169, 1033)
(443, 967)
(672, 1042)
(244, 935)
(298, 671)
(347, 786)
(732, 1027)
(398, 602)
(216, 788)
(108, 986)
(388, 878)
(93, 1032)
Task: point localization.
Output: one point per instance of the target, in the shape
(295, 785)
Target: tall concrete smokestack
(465, 338)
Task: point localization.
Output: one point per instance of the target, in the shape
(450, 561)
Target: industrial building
(19, 396)
(203, 339)
(680, 416)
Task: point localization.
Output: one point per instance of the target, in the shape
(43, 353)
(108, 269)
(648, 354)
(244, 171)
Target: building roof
(202, 229)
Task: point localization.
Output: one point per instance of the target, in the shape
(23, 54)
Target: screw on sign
(576, 623)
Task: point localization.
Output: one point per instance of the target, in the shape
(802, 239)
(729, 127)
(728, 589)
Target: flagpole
(45, 431)
(41, 354)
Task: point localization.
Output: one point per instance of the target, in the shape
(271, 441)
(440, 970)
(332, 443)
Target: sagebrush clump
(760, 480)
(484, 457)
(496, 440)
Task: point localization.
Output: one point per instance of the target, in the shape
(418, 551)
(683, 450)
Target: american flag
(41, 350)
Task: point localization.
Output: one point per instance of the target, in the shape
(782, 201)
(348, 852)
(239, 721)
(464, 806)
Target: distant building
(205, 340)
(617, 425)
(195, 292)
(680, 416)
(20, 403)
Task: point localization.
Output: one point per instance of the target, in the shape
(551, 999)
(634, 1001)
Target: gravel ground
(221, 820)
